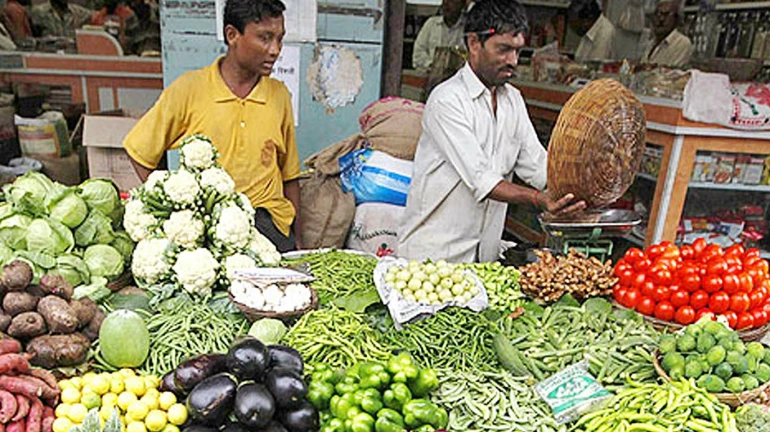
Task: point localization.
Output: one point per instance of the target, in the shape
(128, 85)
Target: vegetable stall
(167, 311)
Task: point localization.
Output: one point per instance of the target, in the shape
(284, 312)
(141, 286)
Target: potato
(5, 321)
(56, 285)
(27, 325)
(15, 303)
(58, 314)
(16, 275)
(85, 309)
(59, 350)
(92, 331)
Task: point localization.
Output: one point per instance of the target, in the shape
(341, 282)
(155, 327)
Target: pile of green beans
(501, 284)
(335, 337)
(338, 273)
(457, 339)
(661, 408)
(492, 401)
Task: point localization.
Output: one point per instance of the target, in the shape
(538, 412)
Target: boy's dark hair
(490, 17)
(584, 10)
(238, 13)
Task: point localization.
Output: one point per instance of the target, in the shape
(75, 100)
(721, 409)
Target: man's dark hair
(584, 10)
(490, 17)
(238, 13)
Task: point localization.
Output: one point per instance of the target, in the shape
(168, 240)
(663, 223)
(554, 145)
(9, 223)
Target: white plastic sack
(375, 229)
(707, 98)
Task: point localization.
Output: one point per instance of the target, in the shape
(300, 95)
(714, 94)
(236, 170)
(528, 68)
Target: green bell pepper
(362, 422)
(425, 428)
(340, 405)
(402, 367)
(426, 382)
(389, 420)
(348, 384)
(396, 396)
(370, 400)
(334, 425)
(319, 393)
(373, 375)
(420, 412)
(323, 373)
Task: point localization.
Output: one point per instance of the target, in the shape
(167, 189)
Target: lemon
(152, 392)
(70, 396)
(151, 381)
(125, 399)
(170, 428)
(77, 413)
(166, 400)
(136, 426)
(62, 424)
(135, 385)
(100, 385)
(151, 401)
(155, 421)
(62, 410)
(116, 385)
(90, 400)
(110, 399)
(138, 410)
(127, 373)
(106, 411)
(86, 378)
(65, 384)
(77, 382)
(177, 414)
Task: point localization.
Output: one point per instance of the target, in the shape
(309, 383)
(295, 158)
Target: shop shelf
(716, 186)
(734, 6)
(546, 3)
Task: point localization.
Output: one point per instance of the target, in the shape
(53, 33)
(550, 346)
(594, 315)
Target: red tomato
(655, 251)
(711, 283)
(739, 302)
(753, 252)
(736, 249)
(687, 252)
(646, 306)
(666, 263)
(690, 283)
(760, 317)
(716, 266)
(758, 297)
(631, 298)
(642, 265)
(620, 267)
(618, 291)
(745, 320)
(664, 311)
(633, 255)
(751, 261)
(685, 315)
(734, 265)
(763, 265)
(648, 289)
(638, 281)
(627, 277)
(688, 269)
(672, 253)
(699, 299)
(747, 283)
(766, 308)
(705, 313)
(660, 275)
(699, 246)
(665, 243)
(661, 293)
(719, 302)
(711, 252)
(680, 298)
(756, 275)
(732, 319)
(731, 284)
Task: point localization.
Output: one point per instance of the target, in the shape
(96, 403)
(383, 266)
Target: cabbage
(268, 330)
(97, 290)
(103, 261)
(66, 206)
(123, 244)
(28, 192)
(100, 194)
(72, 269)
(96, 229)
(48, 235)
(6, 209)
(6, 254)
(13, 231)
(42, 260)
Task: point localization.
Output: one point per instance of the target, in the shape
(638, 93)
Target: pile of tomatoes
(682, 284)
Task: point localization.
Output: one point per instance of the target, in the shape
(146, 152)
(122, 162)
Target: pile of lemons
(141, 406)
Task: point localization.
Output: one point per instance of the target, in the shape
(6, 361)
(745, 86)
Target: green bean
(338, 274)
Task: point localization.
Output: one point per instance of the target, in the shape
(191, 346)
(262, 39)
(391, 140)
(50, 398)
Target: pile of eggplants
(251, 388)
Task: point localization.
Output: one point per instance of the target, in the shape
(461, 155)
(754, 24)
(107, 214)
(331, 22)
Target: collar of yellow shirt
(222, 92)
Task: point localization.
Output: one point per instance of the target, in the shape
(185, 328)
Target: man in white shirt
(445, 30)
(476, 134)
(668, 46)
(586, 18)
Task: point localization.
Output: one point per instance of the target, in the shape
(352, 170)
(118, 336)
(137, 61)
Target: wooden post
(393, 47)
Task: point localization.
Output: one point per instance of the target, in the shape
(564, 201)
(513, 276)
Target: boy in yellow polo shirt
(247, 115)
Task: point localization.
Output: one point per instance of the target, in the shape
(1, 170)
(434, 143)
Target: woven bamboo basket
(597, 144)
(287, 317)
(732, 399)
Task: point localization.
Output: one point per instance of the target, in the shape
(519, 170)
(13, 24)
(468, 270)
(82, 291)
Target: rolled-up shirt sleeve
(448, 127)
(532, 163)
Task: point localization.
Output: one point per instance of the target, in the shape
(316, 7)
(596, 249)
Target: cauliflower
(182, 188)
(232, 228)
(149, 262)
(197, 152)
(237, 262)
(264, 248)
(196, 271)
(247, 294)
(245, 204)
(219, 180)
(138, 223)
(273, 296)
(298, 295)
(154, 178)
(184, 229)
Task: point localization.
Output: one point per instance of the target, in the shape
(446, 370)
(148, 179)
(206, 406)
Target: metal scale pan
(590, 233)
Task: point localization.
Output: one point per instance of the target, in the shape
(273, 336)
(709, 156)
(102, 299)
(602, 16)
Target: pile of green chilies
(338, 274)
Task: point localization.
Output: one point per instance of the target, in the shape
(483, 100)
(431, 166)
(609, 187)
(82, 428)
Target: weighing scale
(591, 233)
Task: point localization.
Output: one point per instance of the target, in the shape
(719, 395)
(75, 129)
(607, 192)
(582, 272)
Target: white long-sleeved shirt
(673, 51)
(596, 44)
(433, 34)
(464, 151)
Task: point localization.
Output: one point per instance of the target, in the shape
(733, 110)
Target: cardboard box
(103, 139)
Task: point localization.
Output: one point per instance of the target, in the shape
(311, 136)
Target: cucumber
(509, 356)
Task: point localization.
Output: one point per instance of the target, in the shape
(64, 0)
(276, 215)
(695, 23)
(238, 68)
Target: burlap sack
(393, 125)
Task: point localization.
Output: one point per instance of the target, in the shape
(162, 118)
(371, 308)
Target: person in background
(588, 21)
(17, 21)
(126, 20)
(476, 134)
(445, 30)
(6, 40)
(147, 39)
(668, 47)
(246, 113)
(58, 18)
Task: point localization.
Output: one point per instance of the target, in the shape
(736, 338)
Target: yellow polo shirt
(254, 136)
